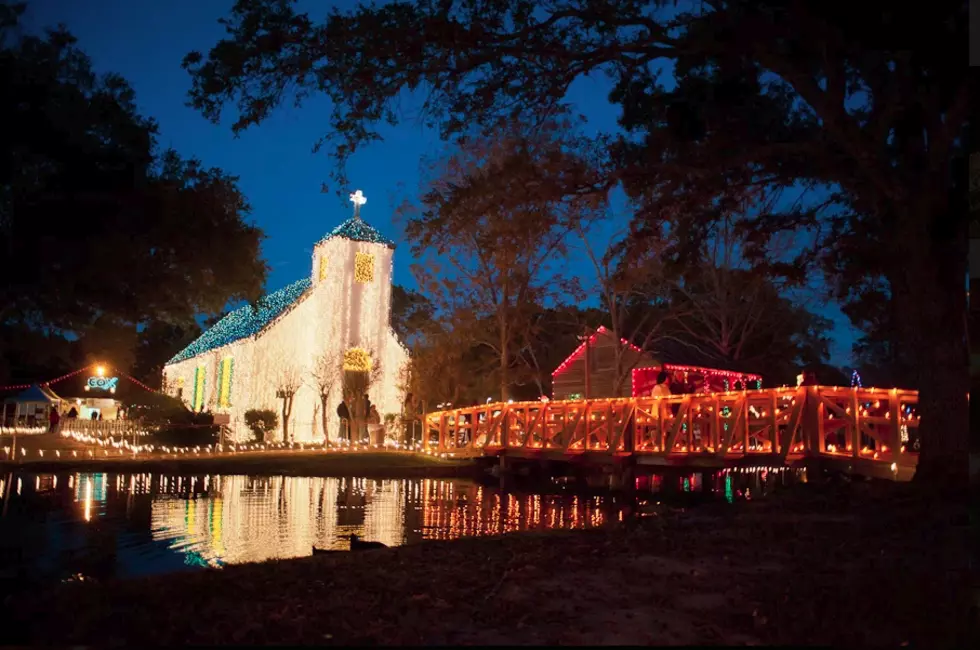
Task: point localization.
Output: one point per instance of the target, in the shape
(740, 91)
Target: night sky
(281, 177)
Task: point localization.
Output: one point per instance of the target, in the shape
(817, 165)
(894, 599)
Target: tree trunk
(930, 294)
(325, 417)
(287, 409)
(504, 365)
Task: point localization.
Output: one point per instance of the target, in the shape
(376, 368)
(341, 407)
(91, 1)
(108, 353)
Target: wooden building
(590, 371)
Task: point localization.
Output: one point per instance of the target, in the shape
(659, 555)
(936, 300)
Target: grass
(849, 564)
(266, 463)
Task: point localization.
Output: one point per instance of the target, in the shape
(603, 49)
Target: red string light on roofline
(50, 381)
(570, 358)
(141, 384)
(714, 372)
(642, 376)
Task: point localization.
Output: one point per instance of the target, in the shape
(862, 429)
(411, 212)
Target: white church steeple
(358, 199)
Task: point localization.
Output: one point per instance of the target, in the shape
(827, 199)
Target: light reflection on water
(118, 525)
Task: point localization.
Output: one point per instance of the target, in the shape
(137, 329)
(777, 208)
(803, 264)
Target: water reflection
(137, 524)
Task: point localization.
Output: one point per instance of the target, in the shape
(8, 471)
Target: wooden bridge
(867, 431)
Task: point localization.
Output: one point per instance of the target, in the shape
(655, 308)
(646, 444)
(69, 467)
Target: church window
(199, 374)
(322, 272)
(224, 382)
(363, 268)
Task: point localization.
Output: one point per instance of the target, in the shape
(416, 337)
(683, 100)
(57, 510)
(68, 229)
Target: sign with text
(102, 383)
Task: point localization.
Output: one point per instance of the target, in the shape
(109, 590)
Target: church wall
(395, 360)
(339, 313)
(358, 314)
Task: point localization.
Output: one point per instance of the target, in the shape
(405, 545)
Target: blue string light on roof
(855, 379)
(245, 321)
(356, 229)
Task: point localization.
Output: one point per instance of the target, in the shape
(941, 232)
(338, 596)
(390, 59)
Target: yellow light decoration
(322, 272)
(224, 382)
(363, 268)
(199, 374)
(357, 359)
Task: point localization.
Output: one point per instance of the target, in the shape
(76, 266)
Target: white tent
(33, 403)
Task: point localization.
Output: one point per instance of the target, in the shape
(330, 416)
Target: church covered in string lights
(337, 316)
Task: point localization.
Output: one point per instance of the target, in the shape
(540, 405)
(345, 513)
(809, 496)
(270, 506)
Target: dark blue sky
(144, 41)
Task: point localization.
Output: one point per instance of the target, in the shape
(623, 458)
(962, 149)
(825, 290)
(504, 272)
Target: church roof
(356, 229)
(245, 321)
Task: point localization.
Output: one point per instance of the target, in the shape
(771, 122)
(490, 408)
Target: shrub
(260, 421)
(158, 409)
(187, 435)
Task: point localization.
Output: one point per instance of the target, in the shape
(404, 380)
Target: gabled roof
(356, 229)
(580, 350)
(35, 393)
(245, 321)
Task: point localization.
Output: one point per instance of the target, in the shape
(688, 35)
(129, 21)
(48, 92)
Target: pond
(58, 527)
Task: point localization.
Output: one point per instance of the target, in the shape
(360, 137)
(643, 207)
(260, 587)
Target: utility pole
(588, 365)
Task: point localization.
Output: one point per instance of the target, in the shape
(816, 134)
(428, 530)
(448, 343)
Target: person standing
(408, 418)
(53, 419)
(375, 430)
(661, 389)
(363, 424)
(344, 414)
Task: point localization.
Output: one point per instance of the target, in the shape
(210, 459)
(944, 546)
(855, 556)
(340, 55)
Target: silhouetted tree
(491, 230)
(100, 229)
(410, 311)
(867, 102)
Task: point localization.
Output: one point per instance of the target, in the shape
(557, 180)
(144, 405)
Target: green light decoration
(245, 321)
(729, 497)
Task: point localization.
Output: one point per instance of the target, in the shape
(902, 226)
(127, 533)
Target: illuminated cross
(358, 199)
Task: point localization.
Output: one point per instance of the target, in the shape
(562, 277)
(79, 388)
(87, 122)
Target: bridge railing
(860, 422)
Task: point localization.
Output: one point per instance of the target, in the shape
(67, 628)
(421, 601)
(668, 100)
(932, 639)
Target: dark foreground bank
(861, 564)
(287, 463)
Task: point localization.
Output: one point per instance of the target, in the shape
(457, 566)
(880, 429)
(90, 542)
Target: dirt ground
(845, 564)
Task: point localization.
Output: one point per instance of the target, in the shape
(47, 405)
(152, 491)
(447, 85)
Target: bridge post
(629, 432)
(812, 422)
(505, 427)
(855, 405)
(624, 476)
(895, 426)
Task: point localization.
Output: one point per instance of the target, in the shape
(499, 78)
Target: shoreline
(864, 563)
(366, 464)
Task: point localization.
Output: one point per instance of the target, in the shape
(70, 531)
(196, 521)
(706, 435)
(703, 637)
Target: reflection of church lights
(246, 519)
(88, 501)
